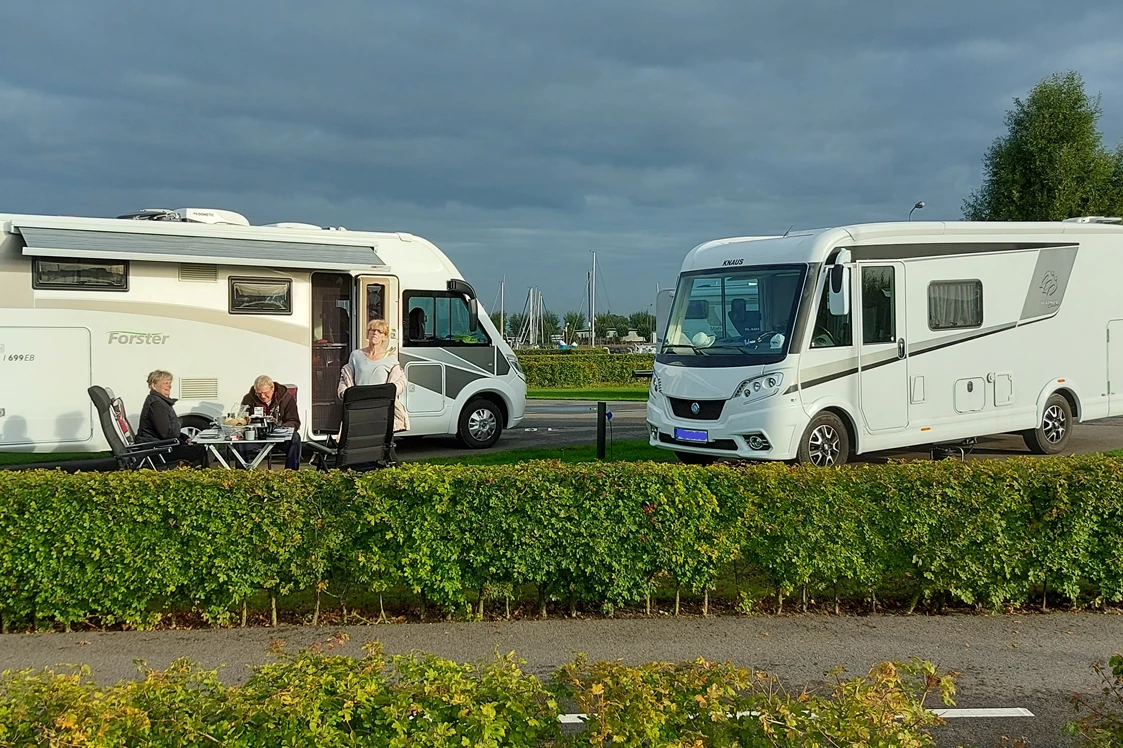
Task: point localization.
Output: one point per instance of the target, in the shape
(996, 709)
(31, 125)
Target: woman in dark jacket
(159, 422)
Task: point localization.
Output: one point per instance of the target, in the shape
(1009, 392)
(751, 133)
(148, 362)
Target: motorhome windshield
(745, 314)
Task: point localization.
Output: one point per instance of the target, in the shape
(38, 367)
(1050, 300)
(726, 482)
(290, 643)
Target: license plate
(692, 435)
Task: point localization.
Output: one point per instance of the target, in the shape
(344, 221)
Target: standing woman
(376, 364)
(159, 422)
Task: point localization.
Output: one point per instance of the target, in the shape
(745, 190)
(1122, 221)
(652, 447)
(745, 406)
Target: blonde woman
(377, 364)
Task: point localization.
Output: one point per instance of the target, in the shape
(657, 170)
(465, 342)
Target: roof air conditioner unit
(212, 215)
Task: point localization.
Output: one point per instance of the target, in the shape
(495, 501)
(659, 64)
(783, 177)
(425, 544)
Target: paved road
(560, 423)
(1031, 661)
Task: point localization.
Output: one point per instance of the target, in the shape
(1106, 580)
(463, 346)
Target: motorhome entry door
(883, 372)
(377, 298)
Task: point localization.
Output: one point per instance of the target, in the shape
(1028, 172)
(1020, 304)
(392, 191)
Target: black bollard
(602, 421)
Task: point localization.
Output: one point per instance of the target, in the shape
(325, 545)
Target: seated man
(745, 322)
(278, 401)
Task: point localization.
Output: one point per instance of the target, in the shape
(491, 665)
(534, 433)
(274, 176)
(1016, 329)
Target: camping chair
(367, 438)
(115, 426)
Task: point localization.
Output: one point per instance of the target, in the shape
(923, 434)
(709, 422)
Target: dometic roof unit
(169, 236)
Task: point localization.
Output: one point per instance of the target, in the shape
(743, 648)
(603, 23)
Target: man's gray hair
(262, 381)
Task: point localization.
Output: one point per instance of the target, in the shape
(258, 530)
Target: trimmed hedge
(583, 370)
(323, 699)
(128, 547)
(532, 352)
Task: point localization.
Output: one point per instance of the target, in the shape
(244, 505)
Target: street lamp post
(918, 206)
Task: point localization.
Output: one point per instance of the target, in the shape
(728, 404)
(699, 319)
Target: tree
(643, 323)
(496, 321)
(515, 322)
(551, 326)
(574, 321)
(1051, 164)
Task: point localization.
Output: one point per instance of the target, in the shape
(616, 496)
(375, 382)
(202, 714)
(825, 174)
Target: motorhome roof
(816, 245)
(217, 243)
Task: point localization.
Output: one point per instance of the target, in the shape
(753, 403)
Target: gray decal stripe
(938, 343)
(916, 251)
(921, 349)
(1049, 282)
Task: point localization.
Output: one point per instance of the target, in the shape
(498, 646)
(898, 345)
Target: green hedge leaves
(129, 547)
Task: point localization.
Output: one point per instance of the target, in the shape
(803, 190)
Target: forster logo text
(122, 337)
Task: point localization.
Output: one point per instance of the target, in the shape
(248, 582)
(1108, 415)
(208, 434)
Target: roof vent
(293, 225)
(1094, 219)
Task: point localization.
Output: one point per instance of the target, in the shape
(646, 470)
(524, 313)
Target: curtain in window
(955, 304)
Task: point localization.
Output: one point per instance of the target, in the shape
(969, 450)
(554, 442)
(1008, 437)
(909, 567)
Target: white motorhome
(825, 344)
(217, 302)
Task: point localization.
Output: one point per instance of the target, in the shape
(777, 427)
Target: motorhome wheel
(825, 442)
(481, 424)
(1051, 436)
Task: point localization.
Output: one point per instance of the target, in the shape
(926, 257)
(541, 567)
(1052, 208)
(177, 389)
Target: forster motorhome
(216, 301)
(821, 345)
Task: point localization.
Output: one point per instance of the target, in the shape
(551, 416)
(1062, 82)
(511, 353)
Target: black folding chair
(115, 426)
(366, 440)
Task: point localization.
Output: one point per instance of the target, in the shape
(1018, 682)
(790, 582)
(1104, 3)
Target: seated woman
(376, 364)
(159, 422)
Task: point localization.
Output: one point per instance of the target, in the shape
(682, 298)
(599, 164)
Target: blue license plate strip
(692, 435)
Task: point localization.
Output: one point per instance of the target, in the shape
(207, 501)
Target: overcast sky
(521, 135)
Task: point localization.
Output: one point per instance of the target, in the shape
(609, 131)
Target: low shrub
(319, 698)
(583, 370)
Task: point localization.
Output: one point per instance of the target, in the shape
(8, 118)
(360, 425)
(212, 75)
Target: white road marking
(1017, 711)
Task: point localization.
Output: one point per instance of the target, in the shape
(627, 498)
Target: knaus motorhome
(217, 302)
(825, 344)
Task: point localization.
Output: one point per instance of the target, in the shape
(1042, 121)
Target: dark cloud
(522, 136)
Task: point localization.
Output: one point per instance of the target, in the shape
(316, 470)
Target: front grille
(726, 444)
(708, 410)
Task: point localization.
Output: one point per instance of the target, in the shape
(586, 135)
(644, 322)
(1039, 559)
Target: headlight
(514, 362)
(759, 387)
(656, 385)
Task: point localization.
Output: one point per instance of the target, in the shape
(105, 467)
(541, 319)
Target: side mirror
(473, 315)
(838, 297)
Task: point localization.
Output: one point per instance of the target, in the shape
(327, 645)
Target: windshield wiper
(694, 348)
(740, 348)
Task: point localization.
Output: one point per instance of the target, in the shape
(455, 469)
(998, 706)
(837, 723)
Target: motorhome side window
(830, 331)
(260, 296)
(438, 318)
(81, 275)
(954, 305)
(879, 308)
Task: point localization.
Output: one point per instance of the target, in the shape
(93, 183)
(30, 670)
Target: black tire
(694, 458)
(191, 425)
(825, 442)
(1052, 434)
(481, 424)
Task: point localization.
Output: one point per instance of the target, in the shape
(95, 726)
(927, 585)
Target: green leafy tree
(1051, 164)
(643, 323)
(574, 321)
(515, 322)
(551, 325)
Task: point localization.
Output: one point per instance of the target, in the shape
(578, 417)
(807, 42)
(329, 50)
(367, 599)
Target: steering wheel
(823, 339)
(764, 337)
